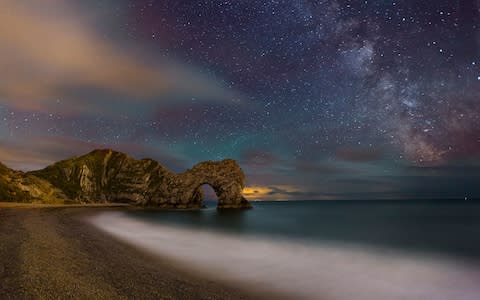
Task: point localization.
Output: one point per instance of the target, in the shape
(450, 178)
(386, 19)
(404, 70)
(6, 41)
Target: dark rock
(108, 176)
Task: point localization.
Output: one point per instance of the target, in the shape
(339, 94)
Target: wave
(301, 270)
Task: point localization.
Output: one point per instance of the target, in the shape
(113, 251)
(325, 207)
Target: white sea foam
(305, 271)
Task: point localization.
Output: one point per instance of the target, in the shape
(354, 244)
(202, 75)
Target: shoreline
(54, 253)
(53, 205)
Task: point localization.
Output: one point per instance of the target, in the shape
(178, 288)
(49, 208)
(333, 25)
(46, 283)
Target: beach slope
(51, 253)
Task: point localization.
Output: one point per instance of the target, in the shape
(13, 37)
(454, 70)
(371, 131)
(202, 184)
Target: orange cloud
(37, 152)
(48, 50)
(277, 192)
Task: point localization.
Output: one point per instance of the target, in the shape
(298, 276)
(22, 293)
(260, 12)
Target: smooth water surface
(321, 249)
(450, 227)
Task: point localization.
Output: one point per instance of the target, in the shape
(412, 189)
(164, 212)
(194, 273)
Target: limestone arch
(225, 177)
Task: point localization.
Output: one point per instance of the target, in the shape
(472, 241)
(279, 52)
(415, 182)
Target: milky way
(316, 99)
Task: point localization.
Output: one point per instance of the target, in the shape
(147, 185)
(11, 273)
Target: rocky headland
(106, 176)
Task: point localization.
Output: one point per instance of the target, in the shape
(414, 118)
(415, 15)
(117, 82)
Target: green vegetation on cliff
(9, 190)
(102, 176)
(106, 176)
(10, 193)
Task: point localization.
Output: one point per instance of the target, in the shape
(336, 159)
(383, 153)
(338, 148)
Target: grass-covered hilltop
(16, 186)
(106, 176)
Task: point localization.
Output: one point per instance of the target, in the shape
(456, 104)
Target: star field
(315, 99)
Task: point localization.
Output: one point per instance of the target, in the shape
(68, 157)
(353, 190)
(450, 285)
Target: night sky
(315, 99)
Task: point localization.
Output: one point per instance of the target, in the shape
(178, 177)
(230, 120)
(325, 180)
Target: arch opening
(210, 197)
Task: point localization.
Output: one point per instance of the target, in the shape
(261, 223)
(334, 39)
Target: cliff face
(108, 176)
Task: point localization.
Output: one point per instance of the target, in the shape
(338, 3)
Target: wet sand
(52, 253)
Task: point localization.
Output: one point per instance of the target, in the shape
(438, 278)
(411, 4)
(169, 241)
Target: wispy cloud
(38, 152)
(50, 51)
(274, 192)
(359, 154)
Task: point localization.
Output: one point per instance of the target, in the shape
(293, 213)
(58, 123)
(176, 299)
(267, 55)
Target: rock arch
(110, 176)
(225, 177)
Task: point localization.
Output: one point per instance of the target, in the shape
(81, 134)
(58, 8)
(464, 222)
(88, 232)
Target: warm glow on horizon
(255, 192)
(278, 192)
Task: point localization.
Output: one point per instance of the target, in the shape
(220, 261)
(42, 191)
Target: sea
(395, 249)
